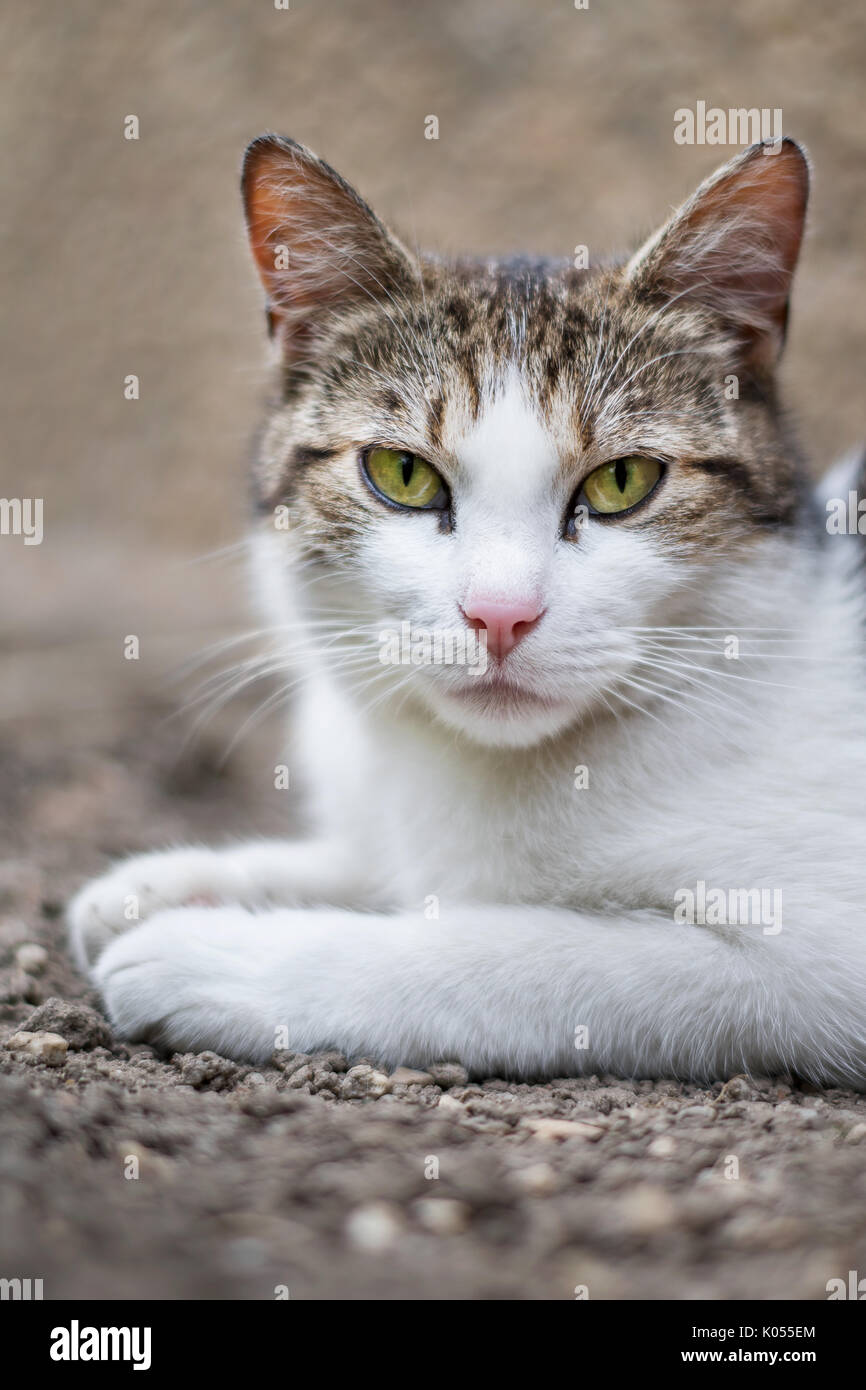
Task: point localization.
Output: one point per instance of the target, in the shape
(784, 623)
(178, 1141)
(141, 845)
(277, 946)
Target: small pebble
(662, 1147)
(82, 1027)
(364, 1081)
(696, 1112)
(547, 1129)
(410, 1077)
(50, 1048)
(735, 1088)
(374, 1226)
(448, 1074)
(646, 1210)
(443, 1216)
(32, 958)
(538, 1179)
(447, 1102)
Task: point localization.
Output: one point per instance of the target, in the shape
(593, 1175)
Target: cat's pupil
(620, 474)
(408, 468)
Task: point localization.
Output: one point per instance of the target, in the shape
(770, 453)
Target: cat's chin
(502, 718)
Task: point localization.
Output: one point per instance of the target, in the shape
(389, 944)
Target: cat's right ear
(318, 248)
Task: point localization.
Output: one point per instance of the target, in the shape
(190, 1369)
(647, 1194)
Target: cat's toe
(135, 890)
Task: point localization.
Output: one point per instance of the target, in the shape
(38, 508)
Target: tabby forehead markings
(415, 352)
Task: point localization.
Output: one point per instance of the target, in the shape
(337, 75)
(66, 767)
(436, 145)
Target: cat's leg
(275, 872)
(514, 989)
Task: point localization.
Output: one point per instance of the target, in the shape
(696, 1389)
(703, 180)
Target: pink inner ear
(316, 243)
(757, 218)
(286, 210)
(735, 246)
(281, 231)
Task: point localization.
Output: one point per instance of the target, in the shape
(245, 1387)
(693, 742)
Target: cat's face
(558, 460)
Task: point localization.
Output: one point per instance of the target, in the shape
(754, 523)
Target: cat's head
(558, 459)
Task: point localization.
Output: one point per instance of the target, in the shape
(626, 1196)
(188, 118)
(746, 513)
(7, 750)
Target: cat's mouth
(498, 696)
(500, 712)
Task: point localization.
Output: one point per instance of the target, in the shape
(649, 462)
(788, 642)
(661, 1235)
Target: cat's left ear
(318, 247)
(733, 247)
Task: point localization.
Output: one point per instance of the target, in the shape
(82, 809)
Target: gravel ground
(327, 1178)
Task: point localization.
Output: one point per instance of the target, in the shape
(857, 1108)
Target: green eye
(404, 478)
(617, 486)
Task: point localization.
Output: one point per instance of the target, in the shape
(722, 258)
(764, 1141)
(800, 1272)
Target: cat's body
(673, 697)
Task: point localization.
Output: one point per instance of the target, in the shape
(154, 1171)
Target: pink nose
(505, 623)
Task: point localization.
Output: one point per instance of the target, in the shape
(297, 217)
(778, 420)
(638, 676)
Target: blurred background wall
(555, 128)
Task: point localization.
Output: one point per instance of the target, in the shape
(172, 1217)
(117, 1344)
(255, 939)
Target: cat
(629, 837)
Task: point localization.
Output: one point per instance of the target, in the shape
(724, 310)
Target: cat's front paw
(135, 890)
(189, 981)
